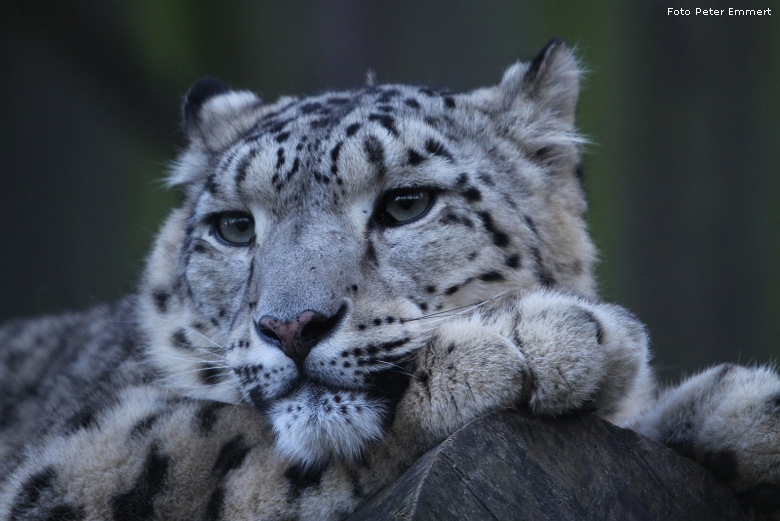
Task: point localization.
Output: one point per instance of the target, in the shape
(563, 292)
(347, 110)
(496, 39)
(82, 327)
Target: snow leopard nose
(296, 337)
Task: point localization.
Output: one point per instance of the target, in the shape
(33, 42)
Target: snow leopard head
(322, 239)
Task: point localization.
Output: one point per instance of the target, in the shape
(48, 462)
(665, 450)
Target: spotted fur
(294, 344)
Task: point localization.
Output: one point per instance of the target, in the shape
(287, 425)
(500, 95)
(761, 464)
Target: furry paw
(466, 369)
(552, 352)
(728, 419)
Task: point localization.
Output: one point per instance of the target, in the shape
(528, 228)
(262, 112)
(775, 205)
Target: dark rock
(512, 466)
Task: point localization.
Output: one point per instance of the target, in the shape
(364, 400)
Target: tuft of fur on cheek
(314, 425)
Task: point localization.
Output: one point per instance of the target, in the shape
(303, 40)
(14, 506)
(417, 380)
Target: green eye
(405, 205)
(235, 228)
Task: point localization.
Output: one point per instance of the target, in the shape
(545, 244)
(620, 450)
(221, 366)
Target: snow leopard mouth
(383, 390)
(314, 422)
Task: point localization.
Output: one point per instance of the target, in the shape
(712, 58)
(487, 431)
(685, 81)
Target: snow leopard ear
(550, 81)
(214, 115)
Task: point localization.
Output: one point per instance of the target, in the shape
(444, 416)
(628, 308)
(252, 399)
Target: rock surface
(509, 465)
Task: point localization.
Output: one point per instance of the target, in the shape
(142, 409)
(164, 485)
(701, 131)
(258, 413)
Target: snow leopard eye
(405, 205)
(234, 228)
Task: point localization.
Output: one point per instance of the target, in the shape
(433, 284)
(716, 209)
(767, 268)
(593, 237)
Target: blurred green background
(684, 112)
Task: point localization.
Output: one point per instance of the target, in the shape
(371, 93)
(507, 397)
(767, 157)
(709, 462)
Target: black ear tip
(546, 50)
(200, 92)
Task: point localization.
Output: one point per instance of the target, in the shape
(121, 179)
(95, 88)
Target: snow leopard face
(322, 239)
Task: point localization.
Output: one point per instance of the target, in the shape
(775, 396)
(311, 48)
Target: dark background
(684, 113)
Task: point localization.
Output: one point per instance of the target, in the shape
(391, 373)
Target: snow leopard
(349, 278)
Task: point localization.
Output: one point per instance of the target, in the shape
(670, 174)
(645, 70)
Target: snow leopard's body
(350, 278)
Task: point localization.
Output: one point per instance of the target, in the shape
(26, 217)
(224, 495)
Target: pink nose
(296, 337)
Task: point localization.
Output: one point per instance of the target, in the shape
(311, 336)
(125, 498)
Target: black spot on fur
(500, 238)
(320, 178)
(200, 247)
(334, 158)
(207, 416)
(211, 184)
(413, 158)
(452, 217)
(84, 419)
(449, 102)
(451, 290)
(472, 194)
(214, 506)
(491, 276)
(375, 153)
(388, 122)
(370, 256)
(513, 261)
(179, 340)
(210, 375)
(31, 491)
(431, 289)
(392, 386)
(301, 478)
(138, 502)
(389, 346)
(544, 277)
(282, 137)
(320, 123)
(294, 169)
(411, 102)
(531, 225)
(231, 456)
(308, 108)
(161, 300)
(258, 400)
(433, 121)
(388, 94)
(541, 155)
(66, 512)
(142, 427)
(722, 464)
(437, 148)
(279, 158)
(485, 178)
(243, 166)
(352, 129)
